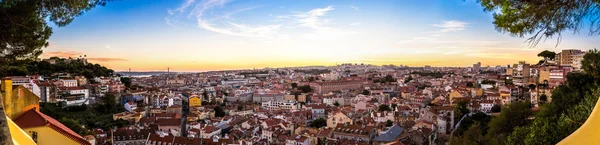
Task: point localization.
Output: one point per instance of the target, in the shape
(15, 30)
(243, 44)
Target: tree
(240, 107)
(460, 109)
(294, 85)
(408, 79)
(126, 81)
(512, 116)
(496, 108)
(469, 84)
(24, 25)
(543, 18)
(389, 123)
(205, 96)
(531, 87)
(305, 88)
(508, 82)
(543, 98)
(318, 123)
(336, 103)
(366, 92)
(591, 63)
(394, 105)
(219, 111)
(384, 107)
(547, 55)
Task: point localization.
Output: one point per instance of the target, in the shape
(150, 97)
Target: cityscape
(225, 72)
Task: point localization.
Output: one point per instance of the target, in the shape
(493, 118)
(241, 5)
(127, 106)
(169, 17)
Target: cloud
(61, 53)
(221, 23)
(354, 7)
(355, 24)
(451, 26)
(106, 59)
(313, 18)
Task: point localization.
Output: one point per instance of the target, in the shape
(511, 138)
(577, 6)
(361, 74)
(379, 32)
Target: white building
(281, 104)
(69, 82)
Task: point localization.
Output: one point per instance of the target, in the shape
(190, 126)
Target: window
(34, 136)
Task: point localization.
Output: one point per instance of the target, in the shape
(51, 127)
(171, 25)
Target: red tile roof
(34, 118)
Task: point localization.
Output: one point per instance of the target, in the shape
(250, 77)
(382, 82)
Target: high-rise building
(570, 57)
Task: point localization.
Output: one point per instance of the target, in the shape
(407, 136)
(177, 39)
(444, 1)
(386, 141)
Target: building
(44, 129)
(74, 95)
(570, 57)
(477, 67)
(325, 87)
(285, 105)
(195, 101)
(69, 82)
(338, 117)
(520, 73)
(17, 100)
(391, 135)
(354, 132)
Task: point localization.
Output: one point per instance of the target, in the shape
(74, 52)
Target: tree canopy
(24, 28)
(549, 55)
(542, 19)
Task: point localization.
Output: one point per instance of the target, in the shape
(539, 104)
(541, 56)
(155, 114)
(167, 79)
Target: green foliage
(294, 85)
(488, 82)
(336, 103)
(305, 88)
(25, 67)
(389, 123)
(25, 28)
(542, 18)
(591, 63)
(318, 123)
(470, 84)
(460, 109)
(547, 54)
(366, 92)
(384, 107)
(472, 136)
(219, 112)
(126, 81)
(410, 78)
(511, 116)
(82, 119)
(496, 108)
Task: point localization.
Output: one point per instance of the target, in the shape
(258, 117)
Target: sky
(204, 35)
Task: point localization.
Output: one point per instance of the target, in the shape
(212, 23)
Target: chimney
(6, 91)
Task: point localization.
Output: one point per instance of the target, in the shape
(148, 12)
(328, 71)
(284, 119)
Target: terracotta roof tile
(34, 118)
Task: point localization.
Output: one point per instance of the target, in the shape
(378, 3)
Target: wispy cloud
(354, 7)
(106, 59)
(451, 26)
(220, 24)
(313, 18)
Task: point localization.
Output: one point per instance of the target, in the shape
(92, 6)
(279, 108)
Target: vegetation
(219, 112)
(24, 25)
(384, 107)
(336, 103)
(386, 79)
(389, 123)
(488, 82)
(570, 107)
(305, 88)
(27, 67)
(496, 108)
(82, 119)
(365, 92)
(126, 81)
(318, 123)
(460, 109)
(410, 78)
(547, 55)
(543, 18)
(294, 85)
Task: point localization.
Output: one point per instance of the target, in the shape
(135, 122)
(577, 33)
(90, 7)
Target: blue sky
(200, 35)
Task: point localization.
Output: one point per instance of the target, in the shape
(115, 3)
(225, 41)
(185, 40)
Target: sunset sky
(199, 35)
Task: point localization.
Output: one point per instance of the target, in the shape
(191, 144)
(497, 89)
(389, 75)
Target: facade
(195, 101)
(45, 130)
(338, 118)
(325, 87)
(285, 105)
(17, 100)
(74, 95)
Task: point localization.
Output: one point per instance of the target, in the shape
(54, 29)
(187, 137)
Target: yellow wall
(48, 136)
(337, 117)
(18, 100)
(543, 75)
(19, 136)
(455, 94)
(195, 101)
